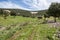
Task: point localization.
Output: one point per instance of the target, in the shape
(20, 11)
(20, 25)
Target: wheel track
(31, 36)
(17, 34)
(14, 36)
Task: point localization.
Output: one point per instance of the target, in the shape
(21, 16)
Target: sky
(31, 5)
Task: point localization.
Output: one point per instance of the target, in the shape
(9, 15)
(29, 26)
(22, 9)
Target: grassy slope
(33, 30)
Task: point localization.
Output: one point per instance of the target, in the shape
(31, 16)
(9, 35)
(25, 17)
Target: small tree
(13, 13)
(45, 16)
(6, 13)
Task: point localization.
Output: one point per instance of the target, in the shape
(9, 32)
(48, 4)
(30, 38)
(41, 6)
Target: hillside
(25, 13)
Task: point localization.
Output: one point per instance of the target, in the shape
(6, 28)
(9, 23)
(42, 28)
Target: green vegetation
(22, 25)
(54, 10)
(24, 28)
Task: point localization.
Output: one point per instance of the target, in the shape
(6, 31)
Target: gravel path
(57, 24)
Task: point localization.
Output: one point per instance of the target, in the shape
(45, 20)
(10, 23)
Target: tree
(6, 13)
(13, 13)
(54, 10)
(1, 12)
(46, 16)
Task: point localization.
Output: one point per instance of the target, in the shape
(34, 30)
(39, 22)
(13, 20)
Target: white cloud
(33, 4)
(39, 4)
(9, 4)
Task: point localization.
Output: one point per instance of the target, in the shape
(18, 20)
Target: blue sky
(27, 4)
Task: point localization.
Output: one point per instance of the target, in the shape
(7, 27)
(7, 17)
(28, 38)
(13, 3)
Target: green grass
(39, 31)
